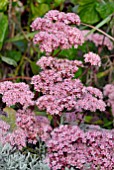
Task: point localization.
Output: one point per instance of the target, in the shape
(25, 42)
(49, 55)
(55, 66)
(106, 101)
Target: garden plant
(61, 116)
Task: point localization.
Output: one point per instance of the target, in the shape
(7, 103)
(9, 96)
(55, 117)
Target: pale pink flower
(16, 93)
(69, 147)
(98, 39)
(93, 59)
(55, 31)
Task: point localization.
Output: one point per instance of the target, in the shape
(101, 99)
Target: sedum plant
(57, 92)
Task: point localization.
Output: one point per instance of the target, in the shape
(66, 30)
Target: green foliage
(15, 55)
(87, 11)
(9, 61)
(39, 10)
(3, 5)
(92, 11)
(105, 9)
(35, 69)
(3, 28)
(78, 73)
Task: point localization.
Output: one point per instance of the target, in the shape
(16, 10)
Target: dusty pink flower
(4, 127)
(63, 93)
(69, 147)
(33, 126)
(93, 59)
(57, 34)
(59, 64)
(109, 92)
(16, 138)
(16, 93)
(29, 129)
(98, 39)
(69, 18)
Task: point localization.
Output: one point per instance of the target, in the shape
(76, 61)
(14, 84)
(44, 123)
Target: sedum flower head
(55, 31)
(98, 39)
(61, 92)
(70, 147)
(93, 59)
(35, 127)
(16, 93)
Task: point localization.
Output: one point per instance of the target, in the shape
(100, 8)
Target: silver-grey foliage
(11, 160)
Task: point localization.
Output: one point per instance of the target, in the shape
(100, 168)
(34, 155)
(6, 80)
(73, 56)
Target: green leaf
(103, 22)
(69, 54)
(108, 124)
(3, 4)
(34, 67)
(75, 2)
(44, 1)
(59, 2)
(105, 9)
(88, 13)
(88, 119)
(50, 117)
(21, 37)
(40, 10)
(43, 9)
(78, 73)
(85, 2)
(3, 28)
(40, 1)
(98, 122)
(39, 113)
(9, 61)
(15, 55)
(10, 118)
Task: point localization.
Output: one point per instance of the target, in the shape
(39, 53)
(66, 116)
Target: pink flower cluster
(33, 126)
(59, 64)
(4, 128)
(98, 39)
(16, 93)
(93, 59)
(69, 18)
(71, 147)
(54, 31)
(16, 138)
(61, 92)
(29, 129)
(109, 92)
(68, 95)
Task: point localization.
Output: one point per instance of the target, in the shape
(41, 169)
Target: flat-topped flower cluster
(55, 31)
(60, 91)
(71, 147)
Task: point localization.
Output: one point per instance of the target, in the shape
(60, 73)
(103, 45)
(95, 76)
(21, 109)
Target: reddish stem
(14, 78)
